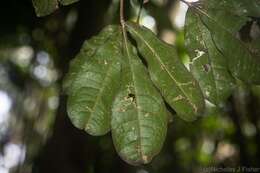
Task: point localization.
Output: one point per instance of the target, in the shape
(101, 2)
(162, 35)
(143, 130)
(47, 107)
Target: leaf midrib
(137, 100)
(223, 28)
(209, 59)
(81, 67)
(100, 93)
(158, 58)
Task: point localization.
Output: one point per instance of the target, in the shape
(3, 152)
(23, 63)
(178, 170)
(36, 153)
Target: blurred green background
(35, 133)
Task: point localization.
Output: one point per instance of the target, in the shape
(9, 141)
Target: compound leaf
(139, 118)
(175, 82)
(92, 82)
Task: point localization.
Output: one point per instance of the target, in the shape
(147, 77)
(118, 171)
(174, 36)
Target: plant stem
(140, 11)
(122, 21)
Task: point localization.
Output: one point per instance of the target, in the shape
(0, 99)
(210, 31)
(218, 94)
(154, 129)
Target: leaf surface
(92, 82)
(241, 62)
(46, 7)
(252, 7)
(175, 82)
(68, 2)
(208, 65)
(224, 19)
(237, 8)
(139, 118)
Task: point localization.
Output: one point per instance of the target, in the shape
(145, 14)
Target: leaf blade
(207, 64)
(45, 7)
(68, 2)
(139, 118)
(242, 64)
(92, 82)
(175, 83)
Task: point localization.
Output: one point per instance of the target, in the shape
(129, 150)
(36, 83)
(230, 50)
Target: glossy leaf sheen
(170, 76)
(92, 82)
(208, 65)
(139, 118)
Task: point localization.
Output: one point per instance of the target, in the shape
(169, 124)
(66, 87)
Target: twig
(122, 18)
(122, 22)
(140, 11)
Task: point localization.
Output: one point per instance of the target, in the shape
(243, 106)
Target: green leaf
(231, 14)
(68, 2)
(46, 7)
(175, 82)
(92, 82)
(241, 63)
(237, 8)
(208, 65)
(254, 47)
(226, 18)
(252, 7)
(139, 118)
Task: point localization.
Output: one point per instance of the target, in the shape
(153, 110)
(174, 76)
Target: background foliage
(34, 56)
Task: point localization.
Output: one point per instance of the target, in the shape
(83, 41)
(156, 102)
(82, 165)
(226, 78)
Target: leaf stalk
(122, 22)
